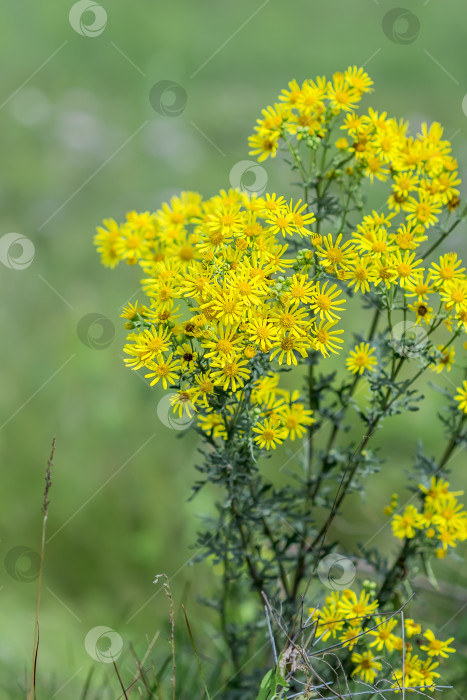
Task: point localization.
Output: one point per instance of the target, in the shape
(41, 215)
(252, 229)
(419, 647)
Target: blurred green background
(81, 142)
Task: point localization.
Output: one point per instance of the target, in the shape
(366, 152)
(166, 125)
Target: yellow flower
(163, 370)
(412, 628)
(406, 524)
(230, 372)
(213, 424)
(350, 636)
(301, 289)
(205, 385)
(436, 647)
(461, 397)
(326, 340)
(423, 211)
(422, 312)
(187, 356)
(367, 667)
(286, 347)
(406, 267)
(447, 270)
(149, 344)
(295, 420)
(262, 332)
(359, 271)
(383, 633)
(444, 361)
(334, 255)
(291, 319)
(427, 673)
(361, 359)
(325, 301)
(222, 343)
(352, 606)
(454, 295)
(269, 434)
(183, 401)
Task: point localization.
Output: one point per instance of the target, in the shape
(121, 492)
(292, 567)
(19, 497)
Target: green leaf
(271, 680)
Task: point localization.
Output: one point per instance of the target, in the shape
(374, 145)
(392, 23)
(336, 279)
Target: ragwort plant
(241, 288)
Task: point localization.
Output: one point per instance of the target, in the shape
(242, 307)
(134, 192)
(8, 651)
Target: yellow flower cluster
(381, 255)
(442, 520)
(227, 299)
(221, 293)
(304, 109)
(353, 621)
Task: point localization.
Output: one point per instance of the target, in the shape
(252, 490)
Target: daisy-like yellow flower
(383, 637)
(350, 636)
(437, 490)
(326, 301)
(330, 620)
(226, 306)
(423, 312)
(361, 358)
(427, 674)
(335, 254)
(406, 266)
(454, 295)
(183, 402)
(301, 289)
(292, 319)
(262, 332)
(435, 647)
(444, 361)
(295, 420)
(412, 628)
(204, 387)
(163, 370)
(285, 347)
(269, 434)
(366, 666)
(223, 342)
(461, 397)
(352, 606)
(213, 424)
(264, 144)
(149, 344)
(419, 287)
(448, 269)
(187, 356)
(405, 525)
(424, 211)
(132, 312)
(342, 95)
(325, 339)
(359, 274)
(230, 372)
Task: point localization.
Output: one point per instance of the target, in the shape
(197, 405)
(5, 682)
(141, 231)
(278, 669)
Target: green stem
(441, 238)
(451, 444)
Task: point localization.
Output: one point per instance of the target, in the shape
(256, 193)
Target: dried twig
(168, 593)
(45, 510)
